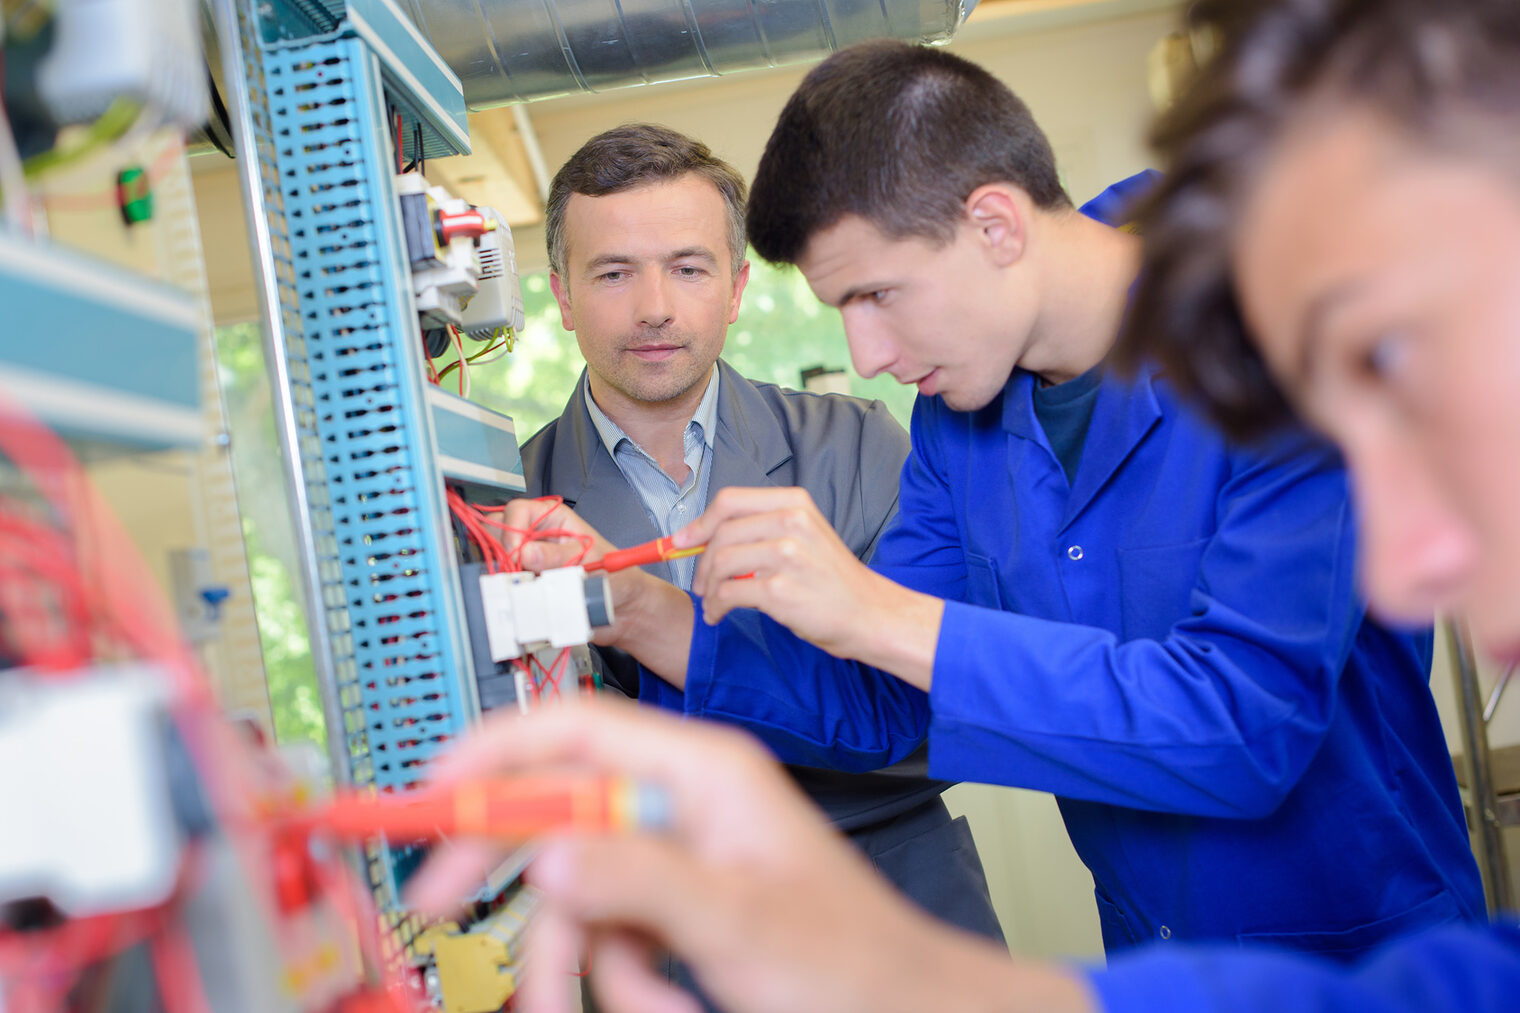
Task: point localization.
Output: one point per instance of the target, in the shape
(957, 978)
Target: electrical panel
(380, 292)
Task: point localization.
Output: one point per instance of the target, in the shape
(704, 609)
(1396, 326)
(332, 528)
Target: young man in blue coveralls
(1344, 183)
(1088, 590)
(645, 229)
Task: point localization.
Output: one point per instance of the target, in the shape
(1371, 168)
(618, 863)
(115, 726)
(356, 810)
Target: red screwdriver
(658, 551)
(504, 809)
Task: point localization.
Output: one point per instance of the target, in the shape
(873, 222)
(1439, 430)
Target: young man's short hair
(633, 155)
(1446, 73)
(900, 135)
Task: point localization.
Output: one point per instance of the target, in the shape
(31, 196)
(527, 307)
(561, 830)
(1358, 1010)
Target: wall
(1085, 84)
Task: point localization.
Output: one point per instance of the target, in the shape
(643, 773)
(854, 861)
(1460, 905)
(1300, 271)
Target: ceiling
(500, 171)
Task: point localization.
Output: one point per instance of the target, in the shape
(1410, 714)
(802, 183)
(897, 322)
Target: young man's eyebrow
(1311, 324)
(856, 292)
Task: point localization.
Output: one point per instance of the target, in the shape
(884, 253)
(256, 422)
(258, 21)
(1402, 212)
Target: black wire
(464, 545)
(218, 116)
(392, 133)
(417, 155)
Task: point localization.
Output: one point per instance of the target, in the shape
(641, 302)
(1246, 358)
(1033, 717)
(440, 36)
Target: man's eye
(612, 276)
(689, 272)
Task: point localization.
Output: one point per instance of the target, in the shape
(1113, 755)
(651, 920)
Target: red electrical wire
(475, 521)
(535, 531)
(179, 978)
(52, 959)
(482, 353)
(557, 671)
(117, 581)
(107, 608)
(34, 560)
(461, 362)
(492, 552)
(548, 680)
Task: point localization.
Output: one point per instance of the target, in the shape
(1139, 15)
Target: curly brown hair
(1435, 69)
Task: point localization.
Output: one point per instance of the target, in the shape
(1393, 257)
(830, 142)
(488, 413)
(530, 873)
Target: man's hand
(794, 568)
(653, 618)
(773, 912)
(544, 534)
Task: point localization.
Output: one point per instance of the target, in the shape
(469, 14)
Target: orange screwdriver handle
(641, 555)
(512, 809)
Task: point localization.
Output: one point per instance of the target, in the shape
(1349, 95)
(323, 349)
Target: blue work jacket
(1450, 969)
(1173, 646)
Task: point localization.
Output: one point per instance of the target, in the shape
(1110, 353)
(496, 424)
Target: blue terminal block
(106, 357)
(419, 85)
(390, 593)
(415, 75)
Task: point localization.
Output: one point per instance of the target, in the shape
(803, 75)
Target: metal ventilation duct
(516, 50)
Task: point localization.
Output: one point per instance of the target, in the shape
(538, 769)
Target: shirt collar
(705, 418)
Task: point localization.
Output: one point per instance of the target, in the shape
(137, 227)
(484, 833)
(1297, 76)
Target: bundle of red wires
(477, 521)
(65, 605)
(75, 594)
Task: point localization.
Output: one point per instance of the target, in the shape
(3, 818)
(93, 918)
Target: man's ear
(740, 280)
(561, 292)
(1000, 214)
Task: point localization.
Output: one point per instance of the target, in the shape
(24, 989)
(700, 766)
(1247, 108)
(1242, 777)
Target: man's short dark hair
(633, 155)
(900, 135)
(1444, 72)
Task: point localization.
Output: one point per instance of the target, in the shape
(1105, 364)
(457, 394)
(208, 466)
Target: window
(782, 329)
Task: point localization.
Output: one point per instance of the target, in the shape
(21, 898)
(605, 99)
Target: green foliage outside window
(268, 536)
(782, 329)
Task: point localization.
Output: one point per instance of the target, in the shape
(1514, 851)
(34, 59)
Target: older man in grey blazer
(646, 245)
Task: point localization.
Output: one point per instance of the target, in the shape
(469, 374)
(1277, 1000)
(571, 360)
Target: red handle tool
(508, 809)
(657, 551)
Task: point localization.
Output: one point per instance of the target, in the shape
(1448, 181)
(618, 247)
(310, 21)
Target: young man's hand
(773, 912)
(773, 550)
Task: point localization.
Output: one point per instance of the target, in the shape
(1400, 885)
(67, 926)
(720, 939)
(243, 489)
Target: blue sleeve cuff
(656, 692)
(702, 661)
(1454, 968)
(1150, 981)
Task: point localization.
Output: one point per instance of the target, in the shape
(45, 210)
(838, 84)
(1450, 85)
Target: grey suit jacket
(846, 452)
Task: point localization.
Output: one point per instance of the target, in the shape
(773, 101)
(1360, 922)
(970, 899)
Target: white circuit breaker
(557, 608)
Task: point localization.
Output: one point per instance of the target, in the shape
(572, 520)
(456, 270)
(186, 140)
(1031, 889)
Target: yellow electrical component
(477, 970)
